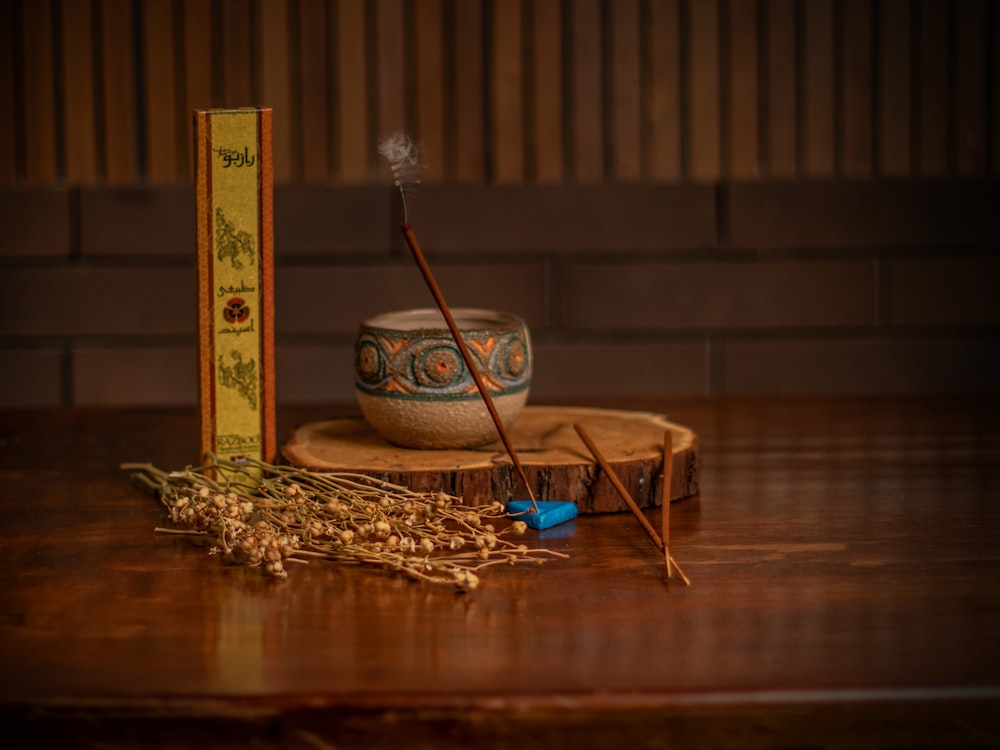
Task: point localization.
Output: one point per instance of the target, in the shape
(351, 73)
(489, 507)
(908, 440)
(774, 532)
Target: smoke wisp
(403, 155)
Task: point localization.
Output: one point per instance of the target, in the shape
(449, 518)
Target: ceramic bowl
(414, 388)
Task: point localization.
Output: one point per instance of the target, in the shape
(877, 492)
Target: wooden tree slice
(556, 461)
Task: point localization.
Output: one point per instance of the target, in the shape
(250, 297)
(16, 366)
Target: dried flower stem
(261, 514)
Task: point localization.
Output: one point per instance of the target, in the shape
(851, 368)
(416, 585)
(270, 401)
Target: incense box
(234, 201)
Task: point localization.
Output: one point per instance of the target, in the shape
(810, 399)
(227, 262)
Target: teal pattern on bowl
(414, 388)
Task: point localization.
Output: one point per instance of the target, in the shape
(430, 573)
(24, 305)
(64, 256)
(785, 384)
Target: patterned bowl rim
(430, 320)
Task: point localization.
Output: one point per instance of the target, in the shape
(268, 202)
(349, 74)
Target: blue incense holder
(550, 512)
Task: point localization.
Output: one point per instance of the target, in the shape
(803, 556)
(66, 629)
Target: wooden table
(844, 555)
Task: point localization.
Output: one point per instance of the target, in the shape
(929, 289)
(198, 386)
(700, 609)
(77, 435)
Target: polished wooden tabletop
(844, 557)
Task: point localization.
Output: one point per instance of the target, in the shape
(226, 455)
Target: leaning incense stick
(624, 494)
(668, 466)
(425, 269)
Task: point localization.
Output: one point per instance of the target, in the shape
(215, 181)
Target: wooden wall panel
(39, 99)
(857, 80)
(119, 116)
(969, 133)
(78, 92)
(818, 119)
(624, 101)
(519, 92)
(354, 152)
(162, 152)
(429, 87)
(390, 75)
(237, 33)
(274, 74)
(703, 117)
(742, 119)
(932, 87)
(9, 131)
(197, 75)
(586, 113)
(894, 81)
(547, 123)
(663, 91)
(391, 64)
(993, 95)
(469, 146)
(506, 103)
(313, 88)
(782, 82)
(752, 128)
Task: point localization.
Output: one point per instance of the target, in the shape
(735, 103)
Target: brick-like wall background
(680, 196)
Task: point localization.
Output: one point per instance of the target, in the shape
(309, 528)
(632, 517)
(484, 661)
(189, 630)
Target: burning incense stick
(411, 241)
(404, 160)
(624, 494)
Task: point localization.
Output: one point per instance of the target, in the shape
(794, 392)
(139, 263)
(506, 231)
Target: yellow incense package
(234, 185)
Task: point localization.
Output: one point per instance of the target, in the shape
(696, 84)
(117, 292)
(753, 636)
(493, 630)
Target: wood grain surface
(843, 555)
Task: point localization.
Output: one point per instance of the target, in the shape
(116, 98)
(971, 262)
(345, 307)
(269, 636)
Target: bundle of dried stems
(266, 515)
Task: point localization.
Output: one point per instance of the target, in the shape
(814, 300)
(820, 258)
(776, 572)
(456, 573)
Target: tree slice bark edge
(558, 465)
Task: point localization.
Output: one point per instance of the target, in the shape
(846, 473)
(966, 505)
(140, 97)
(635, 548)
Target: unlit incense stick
(624, 493)
(425, 269)
(668, 466)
